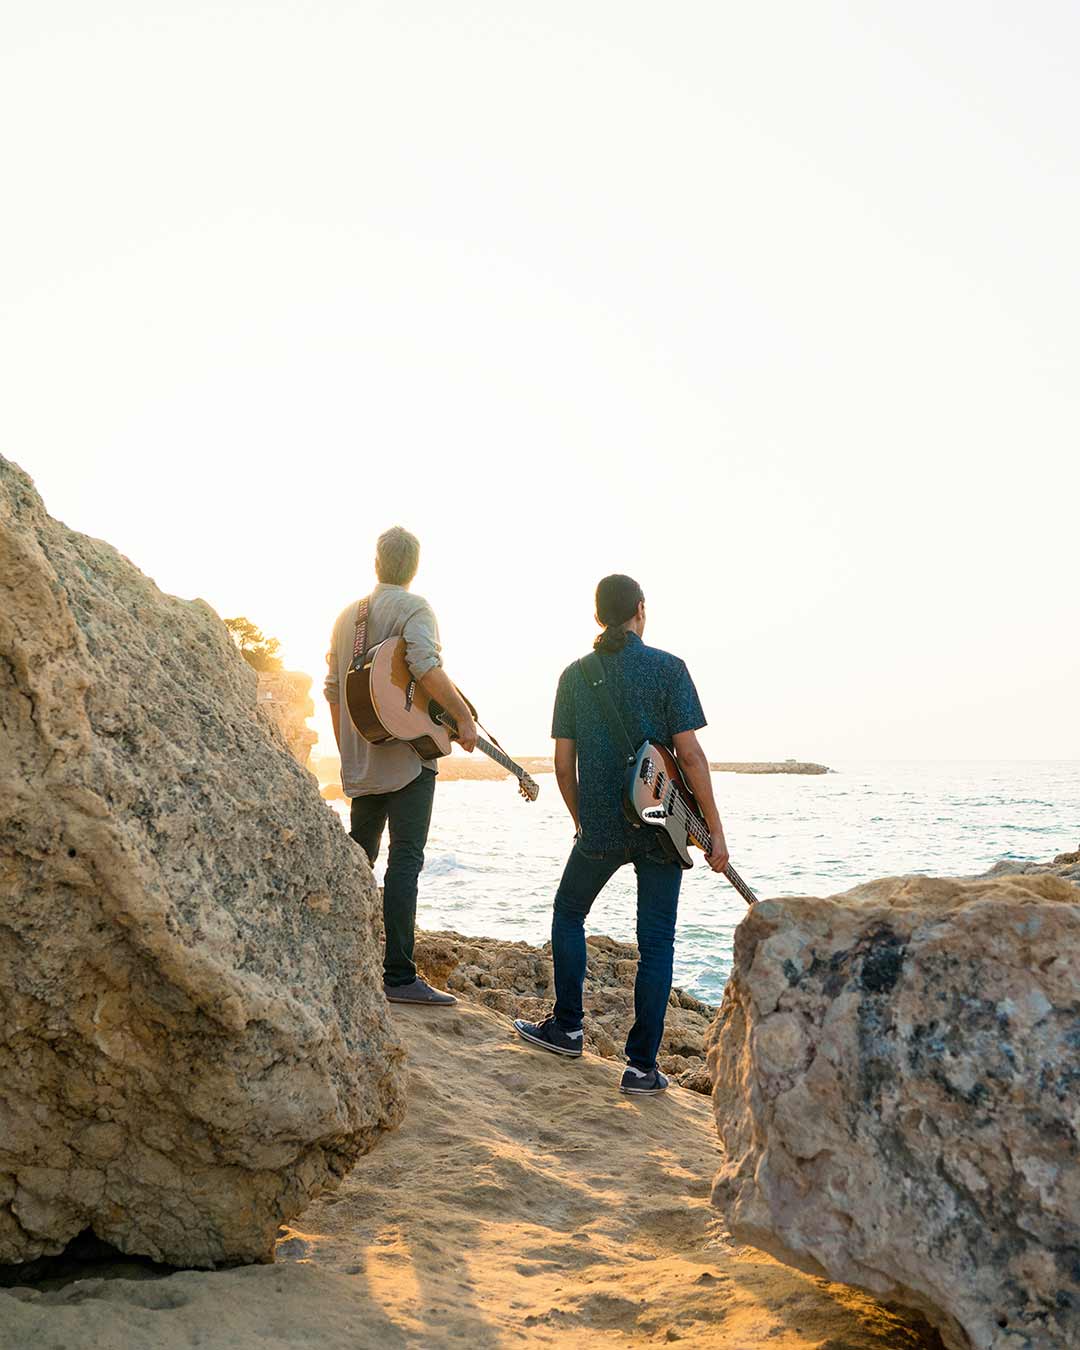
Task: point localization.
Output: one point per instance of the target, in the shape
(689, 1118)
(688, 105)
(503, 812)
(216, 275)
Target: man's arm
(439, 686)
(566, 775)
(422, 654)
(335, 717)
(695, 766)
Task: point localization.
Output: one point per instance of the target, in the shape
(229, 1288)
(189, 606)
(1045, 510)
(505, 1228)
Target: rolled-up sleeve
(421, 634)
(331, 685)
(684, 707)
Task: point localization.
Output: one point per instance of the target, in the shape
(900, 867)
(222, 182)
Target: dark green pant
(408, 812)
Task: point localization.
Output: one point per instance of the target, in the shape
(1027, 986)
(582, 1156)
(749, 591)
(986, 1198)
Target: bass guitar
(657, 794)
(386, 704)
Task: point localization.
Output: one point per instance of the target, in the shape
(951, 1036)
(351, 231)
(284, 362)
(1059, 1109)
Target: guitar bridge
(410, 693)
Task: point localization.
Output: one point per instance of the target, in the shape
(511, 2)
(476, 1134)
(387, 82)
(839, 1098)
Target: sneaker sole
(643, 1092)
(421, 1002)
(546, 1045)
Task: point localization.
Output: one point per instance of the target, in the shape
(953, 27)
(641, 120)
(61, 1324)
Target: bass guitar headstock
(528, 789)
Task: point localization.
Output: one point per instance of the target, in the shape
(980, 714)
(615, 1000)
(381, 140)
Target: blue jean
(658, 882)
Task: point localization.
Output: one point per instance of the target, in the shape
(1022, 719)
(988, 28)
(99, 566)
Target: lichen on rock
(193, 1038)
(897, 1089)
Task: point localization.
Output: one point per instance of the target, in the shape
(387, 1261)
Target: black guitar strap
(593, 670)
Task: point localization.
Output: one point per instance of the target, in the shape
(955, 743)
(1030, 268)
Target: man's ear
(641, 610)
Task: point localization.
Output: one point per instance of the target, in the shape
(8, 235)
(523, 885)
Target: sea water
(494, 860)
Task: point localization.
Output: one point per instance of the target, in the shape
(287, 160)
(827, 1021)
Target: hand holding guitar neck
(717, 856)
(655, 793)
(387, 704)
(438, 686)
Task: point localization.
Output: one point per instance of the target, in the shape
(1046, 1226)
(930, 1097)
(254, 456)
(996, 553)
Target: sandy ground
(523, 1202)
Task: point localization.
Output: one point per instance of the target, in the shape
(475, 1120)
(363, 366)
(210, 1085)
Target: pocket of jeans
(587, 853)
(658, 852)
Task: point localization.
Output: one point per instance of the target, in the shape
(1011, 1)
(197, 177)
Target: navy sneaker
(550, 1036)
(642, 1084)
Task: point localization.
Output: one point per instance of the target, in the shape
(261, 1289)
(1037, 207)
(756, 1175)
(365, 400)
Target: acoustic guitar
(386, 704)
(656, 793)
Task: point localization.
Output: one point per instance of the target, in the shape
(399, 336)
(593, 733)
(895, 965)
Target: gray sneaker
(418, 992)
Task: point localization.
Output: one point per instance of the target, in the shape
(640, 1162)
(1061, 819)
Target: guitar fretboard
(492, 751)
(696, 829)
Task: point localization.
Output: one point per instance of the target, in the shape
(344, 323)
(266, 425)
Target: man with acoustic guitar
(650, 696)
(392, 784)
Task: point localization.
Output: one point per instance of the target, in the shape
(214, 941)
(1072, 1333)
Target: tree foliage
(257, 650)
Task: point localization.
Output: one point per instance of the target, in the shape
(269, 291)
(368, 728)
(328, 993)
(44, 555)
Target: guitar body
(654, 785)
(386, 704)
(656, 794)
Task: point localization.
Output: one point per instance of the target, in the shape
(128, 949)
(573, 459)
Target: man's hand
(466, 732)
(438, 685)
(718, 856)
(566, 777)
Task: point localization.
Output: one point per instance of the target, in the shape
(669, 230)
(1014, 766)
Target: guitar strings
(493, 751)
(687, 818)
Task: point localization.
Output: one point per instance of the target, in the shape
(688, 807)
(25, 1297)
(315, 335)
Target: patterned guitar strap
(360, 640)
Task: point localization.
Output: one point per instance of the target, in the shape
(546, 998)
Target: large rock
(897, 1088)
(515, 978)
(193, 1039)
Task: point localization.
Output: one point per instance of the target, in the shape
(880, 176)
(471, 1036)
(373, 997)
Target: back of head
(617, 600)
(397, 556)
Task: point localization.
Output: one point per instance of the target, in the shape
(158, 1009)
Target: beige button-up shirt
(393, 612)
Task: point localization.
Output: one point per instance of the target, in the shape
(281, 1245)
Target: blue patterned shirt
(656, 700)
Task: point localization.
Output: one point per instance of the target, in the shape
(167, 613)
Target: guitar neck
(696, 829)
(492, 751)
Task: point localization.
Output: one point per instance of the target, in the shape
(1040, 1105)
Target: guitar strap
(360, 640)
(483, 728)
(593, 670)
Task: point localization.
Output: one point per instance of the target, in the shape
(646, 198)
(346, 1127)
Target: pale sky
(773, 306)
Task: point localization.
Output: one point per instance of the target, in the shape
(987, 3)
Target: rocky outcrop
(897, 1089)
(1065, 865)
(768, 766)
(515, 979)
(285, 697)
(193, 1039)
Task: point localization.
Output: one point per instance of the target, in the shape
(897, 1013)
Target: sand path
(523, 1202)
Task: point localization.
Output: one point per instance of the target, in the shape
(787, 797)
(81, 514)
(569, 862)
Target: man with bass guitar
(655, 701)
